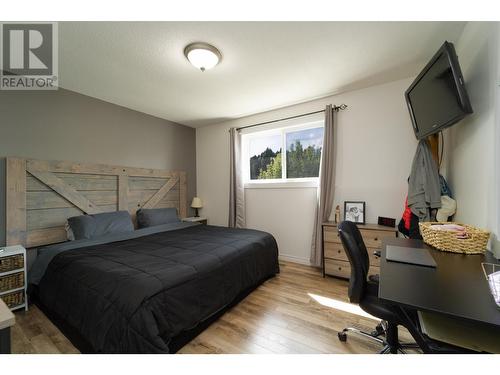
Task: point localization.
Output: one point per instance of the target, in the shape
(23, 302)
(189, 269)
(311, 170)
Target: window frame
(282, 182)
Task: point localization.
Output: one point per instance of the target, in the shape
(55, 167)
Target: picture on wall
(354, 211)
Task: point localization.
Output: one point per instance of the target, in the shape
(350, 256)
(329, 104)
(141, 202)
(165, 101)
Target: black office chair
(364, 292)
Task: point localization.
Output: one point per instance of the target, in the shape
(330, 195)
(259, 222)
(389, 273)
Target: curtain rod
(335, 108)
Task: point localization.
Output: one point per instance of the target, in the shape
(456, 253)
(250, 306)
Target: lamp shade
(197, 203)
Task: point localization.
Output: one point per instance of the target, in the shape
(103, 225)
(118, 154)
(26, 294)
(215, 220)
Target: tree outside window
(302, 157)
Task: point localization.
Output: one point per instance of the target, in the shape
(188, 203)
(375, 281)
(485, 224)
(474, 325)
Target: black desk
(456, 287)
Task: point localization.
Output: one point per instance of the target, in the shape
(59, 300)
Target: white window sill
(281, 184)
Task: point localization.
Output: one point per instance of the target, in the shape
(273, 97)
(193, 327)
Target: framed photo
(354, 211)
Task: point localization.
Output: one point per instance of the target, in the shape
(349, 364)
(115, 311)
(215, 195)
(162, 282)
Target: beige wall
(63, 125)
(474, 142)
(376, 145)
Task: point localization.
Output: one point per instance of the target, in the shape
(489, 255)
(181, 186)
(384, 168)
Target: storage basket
(13, 299)
(12, 281)
(11, 263)
(475, 243)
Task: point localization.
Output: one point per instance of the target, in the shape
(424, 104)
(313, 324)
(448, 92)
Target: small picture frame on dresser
(355, 211)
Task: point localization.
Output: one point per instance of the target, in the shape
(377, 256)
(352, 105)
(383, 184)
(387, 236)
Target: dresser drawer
(11, 281)
(374, 270)
(331, 234)
(11, 263)
(342, 269)
(335, 251)
(374, 260)
(337, 268)
(373, 238)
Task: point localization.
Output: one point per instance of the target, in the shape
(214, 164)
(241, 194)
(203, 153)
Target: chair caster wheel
(342, 336)
(379, 330)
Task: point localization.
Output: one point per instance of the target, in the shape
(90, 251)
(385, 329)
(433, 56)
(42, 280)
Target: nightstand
(194, 219)
(13, 277)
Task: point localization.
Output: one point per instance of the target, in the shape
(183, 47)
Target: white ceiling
(265, 65)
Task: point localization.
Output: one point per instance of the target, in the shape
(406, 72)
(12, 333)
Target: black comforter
(135, 295)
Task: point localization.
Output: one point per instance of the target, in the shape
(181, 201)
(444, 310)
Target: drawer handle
(339, 251)
(340, 268)
(376, 238)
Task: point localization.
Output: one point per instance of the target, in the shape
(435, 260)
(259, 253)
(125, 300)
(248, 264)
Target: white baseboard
(294, 259)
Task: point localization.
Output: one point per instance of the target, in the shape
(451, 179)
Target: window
(263, 153)
(265, 159)
(303, 152)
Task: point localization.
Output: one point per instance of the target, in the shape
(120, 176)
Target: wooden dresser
(335, 261)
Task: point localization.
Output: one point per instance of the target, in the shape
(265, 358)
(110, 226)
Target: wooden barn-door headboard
(42, 195)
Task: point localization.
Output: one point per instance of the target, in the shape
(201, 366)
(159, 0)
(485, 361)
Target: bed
(147, 291)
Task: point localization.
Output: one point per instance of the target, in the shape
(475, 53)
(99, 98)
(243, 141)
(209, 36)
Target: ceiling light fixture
(202, 55)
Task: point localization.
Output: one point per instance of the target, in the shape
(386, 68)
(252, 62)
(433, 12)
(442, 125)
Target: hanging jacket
(424, 188)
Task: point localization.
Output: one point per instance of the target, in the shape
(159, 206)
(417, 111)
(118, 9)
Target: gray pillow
(156, 216)
(91, 226)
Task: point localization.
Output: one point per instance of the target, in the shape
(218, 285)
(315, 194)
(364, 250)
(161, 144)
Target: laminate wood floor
(298, 311)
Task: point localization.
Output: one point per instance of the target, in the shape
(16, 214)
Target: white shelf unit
(12, 251)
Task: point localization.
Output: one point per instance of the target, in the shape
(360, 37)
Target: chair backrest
(355, 248)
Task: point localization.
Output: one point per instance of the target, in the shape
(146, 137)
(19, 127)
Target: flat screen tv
(437, 98)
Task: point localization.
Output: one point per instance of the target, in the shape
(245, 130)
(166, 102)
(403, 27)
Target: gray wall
(64, 125)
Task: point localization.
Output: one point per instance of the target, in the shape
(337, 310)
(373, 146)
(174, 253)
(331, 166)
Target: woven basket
(12, 281)
(475, 243)
(13, 299)
(11, 263)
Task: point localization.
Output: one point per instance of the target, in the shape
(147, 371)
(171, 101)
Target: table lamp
(196, 203)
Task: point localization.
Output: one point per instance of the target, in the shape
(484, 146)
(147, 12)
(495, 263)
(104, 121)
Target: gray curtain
(326, 186)
(236, 190)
